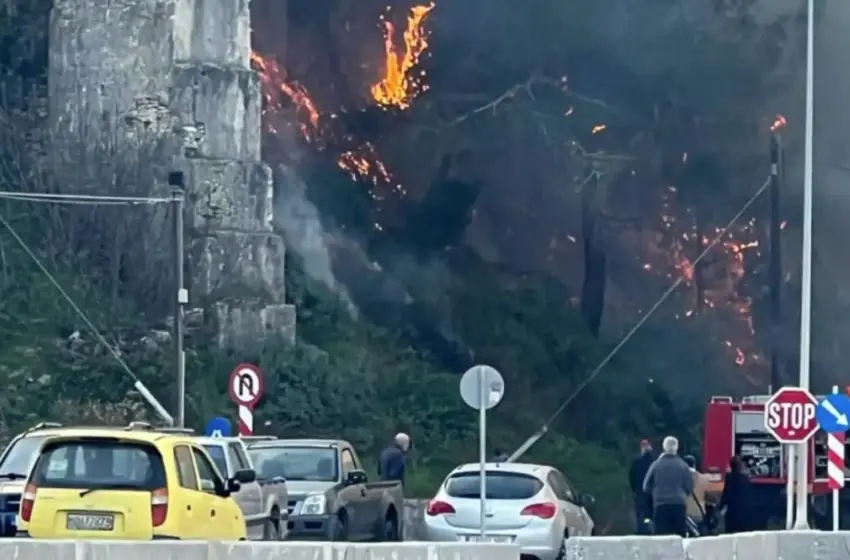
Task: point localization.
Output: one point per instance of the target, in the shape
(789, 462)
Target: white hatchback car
(532, 506)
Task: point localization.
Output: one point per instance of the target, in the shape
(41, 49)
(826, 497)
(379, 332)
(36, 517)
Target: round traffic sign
(789, 415)
(246, 385)
(470, 387)
(218, 426)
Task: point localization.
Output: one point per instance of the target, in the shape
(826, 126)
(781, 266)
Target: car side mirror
(232, 485)
(356, 477)
(245, 476)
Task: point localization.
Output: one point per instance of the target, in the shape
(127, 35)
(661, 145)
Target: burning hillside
(718, 288)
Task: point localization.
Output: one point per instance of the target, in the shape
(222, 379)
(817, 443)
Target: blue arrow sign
(218, 427)
(833, 413)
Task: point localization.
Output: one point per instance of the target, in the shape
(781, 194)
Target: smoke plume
(304, 232)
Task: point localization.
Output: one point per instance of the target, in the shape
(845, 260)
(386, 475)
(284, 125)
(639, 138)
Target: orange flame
(364, 163)
(722, 277)
(778, 122)
(398, 88)
(274, 83)
(598, 128)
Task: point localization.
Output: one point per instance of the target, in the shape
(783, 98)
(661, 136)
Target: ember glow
(399, 85)
(277, 88)
(720, 287)
(364, 163)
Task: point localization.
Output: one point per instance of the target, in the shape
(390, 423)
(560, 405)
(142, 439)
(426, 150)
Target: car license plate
(90, 522)
(502, 539)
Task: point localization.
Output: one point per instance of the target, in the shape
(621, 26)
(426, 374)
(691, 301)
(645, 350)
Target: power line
(57, 198)
(68, 298)
(638, 325)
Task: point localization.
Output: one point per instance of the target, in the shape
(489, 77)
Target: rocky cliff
(155, 86)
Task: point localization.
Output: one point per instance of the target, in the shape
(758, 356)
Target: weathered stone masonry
(172, 79)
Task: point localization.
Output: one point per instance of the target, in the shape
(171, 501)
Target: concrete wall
(784, 545)
(126, 550)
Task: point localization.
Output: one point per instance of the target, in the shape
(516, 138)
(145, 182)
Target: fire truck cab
(737, 428)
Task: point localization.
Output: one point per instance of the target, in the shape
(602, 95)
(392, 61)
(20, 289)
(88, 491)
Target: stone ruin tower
(170, 82)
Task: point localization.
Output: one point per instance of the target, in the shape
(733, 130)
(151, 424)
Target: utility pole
(775, 271)
(176, 180)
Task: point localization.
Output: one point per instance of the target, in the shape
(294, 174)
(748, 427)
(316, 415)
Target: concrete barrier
(622, 548)
(19, 549)
(775, 545)
(787, 545)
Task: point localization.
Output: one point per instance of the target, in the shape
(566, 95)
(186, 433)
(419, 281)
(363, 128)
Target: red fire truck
(737, 428)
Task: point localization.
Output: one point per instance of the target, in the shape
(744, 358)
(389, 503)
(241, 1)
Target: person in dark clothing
(671, 484)
(499, 456)
(736, 498)
(642, 500)
(391, 464)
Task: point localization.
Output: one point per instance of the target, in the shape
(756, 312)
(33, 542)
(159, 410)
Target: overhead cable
(544, 428)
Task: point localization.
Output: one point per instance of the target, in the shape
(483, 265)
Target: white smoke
(304, 232)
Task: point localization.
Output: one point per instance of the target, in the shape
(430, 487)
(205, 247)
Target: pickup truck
(330, 496)
(263, 502)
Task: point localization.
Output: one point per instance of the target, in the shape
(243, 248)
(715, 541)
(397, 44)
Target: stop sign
(790, 415)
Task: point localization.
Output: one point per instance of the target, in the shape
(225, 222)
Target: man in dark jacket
(391, 463)
(671, 483)
(642, 500)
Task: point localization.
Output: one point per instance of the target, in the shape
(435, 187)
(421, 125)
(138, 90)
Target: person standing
(642, 500)
(696, 501)
(736, 498)
(391, 464)
(670, 483)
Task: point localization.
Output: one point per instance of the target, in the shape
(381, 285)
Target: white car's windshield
(296, 463)
(19, 457)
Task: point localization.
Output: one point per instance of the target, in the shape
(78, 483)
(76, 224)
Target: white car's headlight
(314, 504)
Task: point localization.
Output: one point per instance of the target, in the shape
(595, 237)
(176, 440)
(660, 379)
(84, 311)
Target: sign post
(789, 416)
(833, 415)
(246, 389)
(482, 388)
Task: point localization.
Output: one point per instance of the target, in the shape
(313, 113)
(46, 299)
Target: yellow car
(131, 485)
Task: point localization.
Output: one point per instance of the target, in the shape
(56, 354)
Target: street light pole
(802, 521)
(176, 181)
(775, 268)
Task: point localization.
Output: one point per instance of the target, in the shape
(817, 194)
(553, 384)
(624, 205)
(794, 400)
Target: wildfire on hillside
(721, 274)
(399, 86)
(718, 283)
